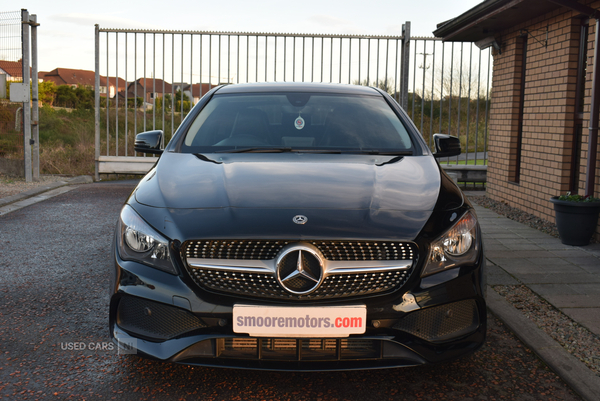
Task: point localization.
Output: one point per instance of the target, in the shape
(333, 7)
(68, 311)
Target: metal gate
(151, 79)
(18, 46)
(449, 92)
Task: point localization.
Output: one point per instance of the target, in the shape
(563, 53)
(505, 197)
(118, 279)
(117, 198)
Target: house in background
(84, 78)
(539, 142)
(12, 69)
(196, 91)
(156, 87)
(153, 88)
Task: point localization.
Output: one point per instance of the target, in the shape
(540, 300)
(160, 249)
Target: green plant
(577, 198)
(47, 92)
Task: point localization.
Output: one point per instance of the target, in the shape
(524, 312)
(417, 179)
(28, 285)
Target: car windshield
(297, 122)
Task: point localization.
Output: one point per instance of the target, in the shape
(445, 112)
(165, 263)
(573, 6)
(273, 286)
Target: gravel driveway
(54, 264)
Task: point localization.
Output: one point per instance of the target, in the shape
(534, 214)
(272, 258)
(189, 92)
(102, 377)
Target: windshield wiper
(257, 150)
(206, 159)
(317, 150)
(391, 161)
(281, 150)
(384, 152)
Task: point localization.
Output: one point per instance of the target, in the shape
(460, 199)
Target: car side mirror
(149, 142)
(446, 145)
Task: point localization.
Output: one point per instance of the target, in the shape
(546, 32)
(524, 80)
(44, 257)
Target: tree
(47, 92)
(85, 98)
(459, 81)
(65, 96)
(168, 103)
(132, 103)
(164, 101)
(80, 97)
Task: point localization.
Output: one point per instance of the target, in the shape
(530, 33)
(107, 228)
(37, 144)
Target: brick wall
(548, 112)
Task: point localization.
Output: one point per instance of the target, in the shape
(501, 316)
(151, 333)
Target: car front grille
(331, 250)
(253, 283)
(263, 285)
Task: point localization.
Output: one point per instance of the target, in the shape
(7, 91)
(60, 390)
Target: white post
(97, 102)
(35, 112)
(26, 105)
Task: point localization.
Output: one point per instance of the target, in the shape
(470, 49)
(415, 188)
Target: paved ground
(566, 276)
(59, 299)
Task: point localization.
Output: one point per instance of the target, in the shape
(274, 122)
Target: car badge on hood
(300, 219)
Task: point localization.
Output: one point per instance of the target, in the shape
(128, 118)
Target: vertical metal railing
(433, 81)
(208, 59)
(450, 94)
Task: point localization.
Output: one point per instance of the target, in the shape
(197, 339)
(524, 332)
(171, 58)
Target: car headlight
(140, 242)
(454, 248)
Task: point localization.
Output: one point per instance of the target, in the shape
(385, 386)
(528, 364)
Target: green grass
(470, 162)
(480, 162)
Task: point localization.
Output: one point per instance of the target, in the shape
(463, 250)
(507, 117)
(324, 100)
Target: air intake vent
(442, 323)
(155, 320)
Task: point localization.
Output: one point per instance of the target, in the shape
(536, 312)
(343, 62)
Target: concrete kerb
(82, 179)
(574, 372)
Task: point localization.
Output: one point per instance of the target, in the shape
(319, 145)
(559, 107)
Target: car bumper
(447, 320)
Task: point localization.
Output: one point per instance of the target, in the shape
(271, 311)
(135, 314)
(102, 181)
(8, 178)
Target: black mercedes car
(295, 226)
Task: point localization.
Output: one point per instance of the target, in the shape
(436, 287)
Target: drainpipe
(590, 177)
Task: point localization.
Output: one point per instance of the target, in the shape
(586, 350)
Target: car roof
(312, 87)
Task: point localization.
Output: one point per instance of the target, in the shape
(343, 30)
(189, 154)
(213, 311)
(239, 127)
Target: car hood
(343, 196)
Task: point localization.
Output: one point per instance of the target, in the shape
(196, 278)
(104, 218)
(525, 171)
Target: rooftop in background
(68, 76)
(13, 69)
(490, 17)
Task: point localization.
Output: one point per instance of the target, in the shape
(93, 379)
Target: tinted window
(298, 121)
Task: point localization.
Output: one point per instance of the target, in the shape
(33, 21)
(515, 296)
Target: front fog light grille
(442, 323)
(155, 320)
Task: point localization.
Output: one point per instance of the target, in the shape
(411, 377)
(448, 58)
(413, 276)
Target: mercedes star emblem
(299, 270)
(300, 219)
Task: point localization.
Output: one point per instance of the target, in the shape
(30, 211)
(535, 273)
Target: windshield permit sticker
(299, 122)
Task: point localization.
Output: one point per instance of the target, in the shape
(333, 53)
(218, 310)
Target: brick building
(541, 97)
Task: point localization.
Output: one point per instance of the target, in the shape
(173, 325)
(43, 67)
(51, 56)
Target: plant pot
(576, 221)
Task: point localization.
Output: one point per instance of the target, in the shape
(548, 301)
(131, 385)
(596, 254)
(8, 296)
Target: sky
(66, 31)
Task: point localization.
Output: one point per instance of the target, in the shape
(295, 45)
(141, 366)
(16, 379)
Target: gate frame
(128, 165)
(107, 164)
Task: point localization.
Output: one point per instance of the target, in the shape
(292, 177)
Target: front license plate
(277, 321)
